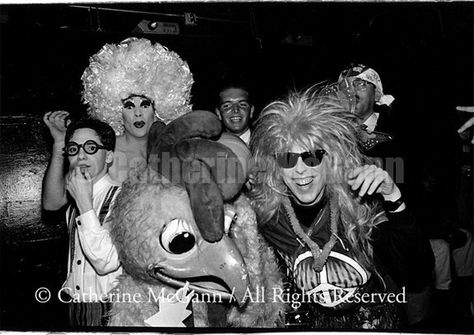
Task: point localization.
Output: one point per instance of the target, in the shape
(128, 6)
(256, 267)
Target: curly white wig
(136, 67)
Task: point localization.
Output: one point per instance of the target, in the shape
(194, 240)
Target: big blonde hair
(136, 66)
(313, 119)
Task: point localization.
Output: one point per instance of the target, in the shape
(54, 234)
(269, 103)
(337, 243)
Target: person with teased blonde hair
(336, 222)
(129, 86)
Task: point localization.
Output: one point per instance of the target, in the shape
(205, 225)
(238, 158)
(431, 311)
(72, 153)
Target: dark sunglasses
(90, 147)
(288, 160)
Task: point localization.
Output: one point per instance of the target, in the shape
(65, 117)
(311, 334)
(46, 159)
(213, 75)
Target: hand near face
(79, 186)
(57, 123)
(370, 179)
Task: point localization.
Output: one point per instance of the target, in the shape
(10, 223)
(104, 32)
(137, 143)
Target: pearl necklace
(319, 256)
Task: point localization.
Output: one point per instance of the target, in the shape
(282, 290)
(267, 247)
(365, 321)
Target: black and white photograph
(236, 166)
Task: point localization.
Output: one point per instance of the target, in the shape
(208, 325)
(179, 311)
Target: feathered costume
(168, 221)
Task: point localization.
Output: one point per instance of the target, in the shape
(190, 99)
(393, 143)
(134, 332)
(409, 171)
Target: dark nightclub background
(422, 51)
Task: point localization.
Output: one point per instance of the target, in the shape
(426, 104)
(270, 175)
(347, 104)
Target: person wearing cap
(364, 88)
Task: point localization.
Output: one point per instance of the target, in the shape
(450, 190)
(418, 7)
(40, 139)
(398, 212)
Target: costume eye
(177, 237)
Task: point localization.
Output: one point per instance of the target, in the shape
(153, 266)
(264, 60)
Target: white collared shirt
(95, 265)
(246, 137)
(371, 122)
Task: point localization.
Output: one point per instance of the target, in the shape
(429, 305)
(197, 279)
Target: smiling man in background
(235, 110)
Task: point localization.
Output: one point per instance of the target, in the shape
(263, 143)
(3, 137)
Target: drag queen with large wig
(129, 86)
(334, 221)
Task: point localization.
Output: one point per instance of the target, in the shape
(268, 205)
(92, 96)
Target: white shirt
(371, 122)
(246, 137)
(95, 266)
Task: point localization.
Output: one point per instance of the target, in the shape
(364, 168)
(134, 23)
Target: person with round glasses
(335, 221)
(93, 263)
(128, 85)
(90, 147)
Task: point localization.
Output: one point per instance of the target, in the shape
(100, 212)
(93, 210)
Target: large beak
(216, 269)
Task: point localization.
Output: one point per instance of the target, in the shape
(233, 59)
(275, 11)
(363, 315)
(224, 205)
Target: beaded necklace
(319, 256)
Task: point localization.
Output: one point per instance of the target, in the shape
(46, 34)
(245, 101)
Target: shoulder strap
(106, 204)
(72, 212)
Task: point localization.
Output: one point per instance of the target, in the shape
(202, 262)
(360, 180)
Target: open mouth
(139, 124)
(210, 285)
(304, 181)
(236, 119)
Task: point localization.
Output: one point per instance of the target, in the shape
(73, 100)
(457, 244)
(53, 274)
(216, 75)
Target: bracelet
(391, 206)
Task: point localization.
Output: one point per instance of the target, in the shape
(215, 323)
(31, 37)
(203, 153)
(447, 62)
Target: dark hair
(233, 83)
(104, 131)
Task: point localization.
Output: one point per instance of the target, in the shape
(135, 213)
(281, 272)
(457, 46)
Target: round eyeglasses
(287, 160)
(90, 147)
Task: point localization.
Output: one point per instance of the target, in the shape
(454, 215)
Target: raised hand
(57, 123)
(370, 179)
